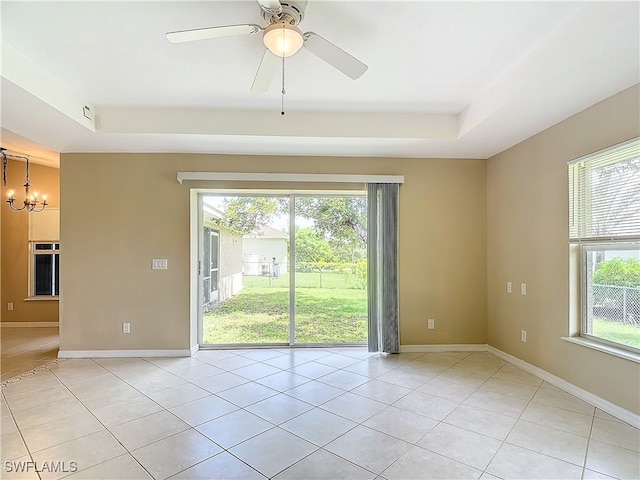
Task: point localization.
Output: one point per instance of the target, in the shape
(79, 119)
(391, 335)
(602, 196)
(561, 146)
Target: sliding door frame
(291, 197)
(209, 182)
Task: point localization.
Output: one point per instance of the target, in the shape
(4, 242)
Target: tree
(312, 248)
(342, 221)
(313, 251)
(615, 187)
(245, 214)
(618, 272)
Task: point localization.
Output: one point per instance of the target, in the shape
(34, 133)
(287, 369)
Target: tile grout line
(586, 450)
(100, 422)
(504, 441)
(460, 404)
(361, 423)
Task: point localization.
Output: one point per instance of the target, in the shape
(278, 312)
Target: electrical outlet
(126, 328)
(431, 324)
(10, 306)
(509, 287)
(523, 336)
(523, 289)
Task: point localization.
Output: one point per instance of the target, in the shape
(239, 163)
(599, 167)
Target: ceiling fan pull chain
(283, 91)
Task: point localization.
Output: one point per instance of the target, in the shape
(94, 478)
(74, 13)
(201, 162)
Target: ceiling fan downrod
(289, 12)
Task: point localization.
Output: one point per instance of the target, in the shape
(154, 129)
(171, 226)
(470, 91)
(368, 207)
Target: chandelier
(31, 202)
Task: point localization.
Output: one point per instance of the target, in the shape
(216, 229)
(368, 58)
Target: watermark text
(54, 466)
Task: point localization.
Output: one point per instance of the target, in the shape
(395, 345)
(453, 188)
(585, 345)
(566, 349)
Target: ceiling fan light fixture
(282, 39)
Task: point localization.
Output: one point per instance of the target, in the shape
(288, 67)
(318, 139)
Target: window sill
(42, 299)
(618, 352)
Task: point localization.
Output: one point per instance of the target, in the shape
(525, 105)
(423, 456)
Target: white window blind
(45, 226)
(604, 194)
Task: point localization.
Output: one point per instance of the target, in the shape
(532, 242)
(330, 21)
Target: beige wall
(15, 244)
(138, 212)
(527, 219)
(466, 228)
(229, 263)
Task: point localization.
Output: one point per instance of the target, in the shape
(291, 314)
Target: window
(604, 223)
(45, 272)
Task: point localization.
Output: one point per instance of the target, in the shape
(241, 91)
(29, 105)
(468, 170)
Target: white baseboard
(623, 414)
(29, 324)
(195, 349)
(469, 347)
(122, 353)
(599, 402)
(604, 405)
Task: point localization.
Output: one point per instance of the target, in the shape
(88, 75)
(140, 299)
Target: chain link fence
(617, 304)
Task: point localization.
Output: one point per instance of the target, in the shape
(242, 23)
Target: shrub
(622, 272)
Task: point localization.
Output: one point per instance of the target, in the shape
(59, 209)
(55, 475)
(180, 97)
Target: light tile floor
(306, 413)
(24, 348)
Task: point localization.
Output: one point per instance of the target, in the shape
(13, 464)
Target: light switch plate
(159, 264)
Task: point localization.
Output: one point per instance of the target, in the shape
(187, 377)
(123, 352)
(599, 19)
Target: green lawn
(336, 313)
(617, 332)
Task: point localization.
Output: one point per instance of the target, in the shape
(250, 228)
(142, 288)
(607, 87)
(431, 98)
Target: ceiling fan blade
(334, 56)
(270, 6)
(212, 32)
(266, 71)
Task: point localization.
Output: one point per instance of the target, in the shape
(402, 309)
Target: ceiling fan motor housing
(292, 13)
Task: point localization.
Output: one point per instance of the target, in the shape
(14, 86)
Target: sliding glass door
(252, 306)
(290, 269)
(330, 270)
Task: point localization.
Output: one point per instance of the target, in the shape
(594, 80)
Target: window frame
(33, 252)
(581, 202)
(584, 250)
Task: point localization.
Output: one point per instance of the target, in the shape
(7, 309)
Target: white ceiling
(445, 79)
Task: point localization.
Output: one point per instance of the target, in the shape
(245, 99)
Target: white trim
(195, 349)
(289, 177)
(604, 405)
(471, 347)
(280, 192)
(123, 353)
(623, 414)
(602, 347)
(29, 324)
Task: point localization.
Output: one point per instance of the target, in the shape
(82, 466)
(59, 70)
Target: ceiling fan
(282, 38)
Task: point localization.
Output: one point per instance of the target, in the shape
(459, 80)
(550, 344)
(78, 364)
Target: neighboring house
(221, 259)
(259, 250)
